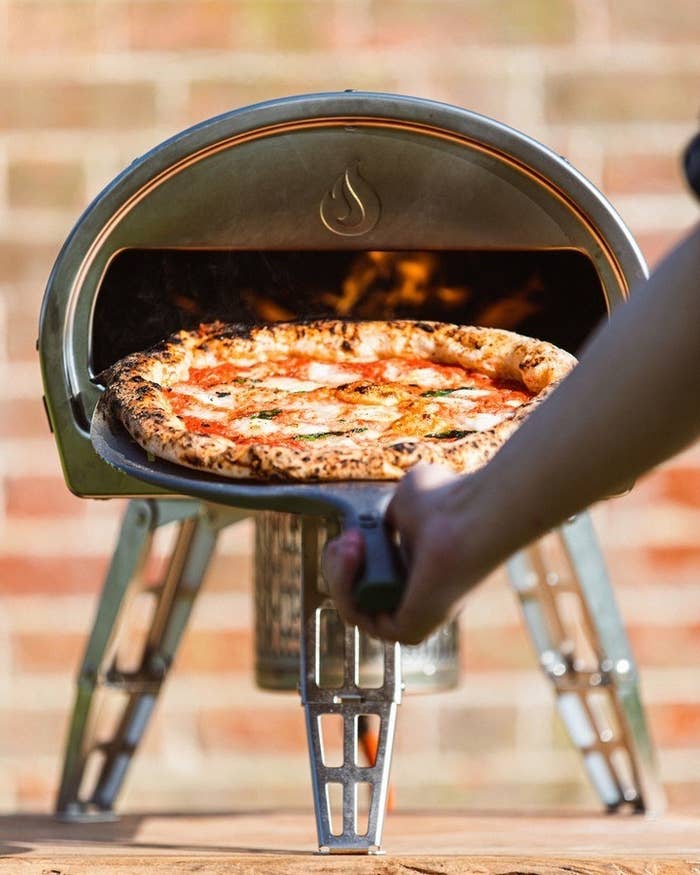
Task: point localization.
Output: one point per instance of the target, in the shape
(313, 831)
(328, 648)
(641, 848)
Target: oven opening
(146, 294)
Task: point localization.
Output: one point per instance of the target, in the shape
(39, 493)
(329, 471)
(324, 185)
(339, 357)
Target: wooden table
(426, 843)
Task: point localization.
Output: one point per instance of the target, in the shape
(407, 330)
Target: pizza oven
(350, 205)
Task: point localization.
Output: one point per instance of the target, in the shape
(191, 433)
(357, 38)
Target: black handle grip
(381, 582)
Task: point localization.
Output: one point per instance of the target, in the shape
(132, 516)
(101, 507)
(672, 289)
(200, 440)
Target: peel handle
(380, 584)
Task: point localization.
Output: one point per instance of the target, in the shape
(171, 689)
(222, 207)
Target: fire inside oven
(146, 294)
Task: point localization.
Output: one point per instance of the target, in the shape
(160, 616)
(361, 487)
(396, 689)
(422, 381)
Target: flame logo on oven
(352, 206)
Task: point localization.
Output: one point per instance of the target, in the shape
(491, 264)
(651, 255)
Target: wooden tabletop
(427, 843)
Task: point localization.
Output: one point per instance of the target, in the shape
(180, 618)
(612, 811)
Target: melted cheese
(482, 421)
(331, 374)
(291, 384)
(386, 401)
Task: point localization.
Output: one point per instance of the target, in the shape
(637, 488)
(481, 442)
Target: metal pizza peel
(359, 504)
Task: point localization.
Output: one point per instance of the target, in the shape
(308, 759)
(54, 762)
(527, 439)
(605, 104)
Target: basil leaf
(452, 434)
(439, 393)
(324, 434)
(267, 414)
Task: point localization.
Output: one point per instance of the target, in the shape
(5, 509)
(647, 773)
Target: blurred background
(88, 85)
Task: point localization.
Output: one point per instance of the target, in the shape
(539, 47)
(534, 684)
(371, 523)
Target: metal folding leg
(100, 673)
(346, 697)
(577, 631)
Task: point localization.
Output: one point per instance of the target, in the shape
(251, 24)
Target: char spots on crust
(164, 348)
(404, 447)
(232, 331)
(145, 389)
(155, 417)
(191, 457)
(532, 360)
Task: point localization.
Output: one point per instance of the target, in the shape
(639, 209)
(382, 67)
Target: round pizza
(331, 400)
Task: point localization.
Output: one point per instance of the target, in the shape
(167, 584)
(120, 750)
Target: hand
(428, 513)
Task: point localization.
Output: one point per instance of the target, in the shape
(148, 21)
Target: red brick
(665, 645)
(27, 262)
(35, 790)
(230, 573)
(676, 725)
(420, 23)
(209, 650)
(22, 418)
(41, 497)
(636, 568)
(622, 97)
(46, 183)
(37, 105)
(655, 245)
(417, 728)
(213, 96)
(180, 26)
(269, 730)
(476, 729)
(681, 485)
(683, 796)
(22, 335)
(496, 648)
(32, 732)
(293, 25)
(210, 97)
(487, 94)
(660, 23)
(648, 173)
(50, 651)
(673, 559)
(51, 574)
(35, 27)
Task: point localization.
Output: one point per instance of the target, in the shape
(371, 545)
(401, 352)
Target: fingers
(421, 611)
(418, 501)
(341, 562)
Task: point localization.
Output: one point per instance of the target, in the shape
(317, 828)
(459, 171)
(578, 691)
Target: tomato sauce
(196, 425)
(206, 378)
(447, 378)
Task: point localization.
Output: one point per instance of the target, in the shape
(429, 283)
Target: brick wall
(85, 85)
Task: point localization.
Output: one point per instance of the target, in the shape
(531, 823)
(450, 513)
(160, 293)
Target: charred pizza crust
(137, 394)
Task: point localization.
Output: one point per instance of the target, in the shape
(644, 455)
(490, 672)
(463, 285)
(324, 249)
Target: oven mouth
(147, 294)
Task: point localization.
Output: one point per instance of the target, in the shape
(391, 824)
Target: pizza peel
(359, 503)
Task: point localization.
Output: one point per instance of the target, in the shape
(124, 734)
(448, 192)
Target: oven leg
(346, 700)
(100, 673)
(578, 634)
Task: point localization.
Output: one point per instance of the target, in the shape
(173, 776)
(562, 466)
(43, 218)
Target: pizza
(331, 400)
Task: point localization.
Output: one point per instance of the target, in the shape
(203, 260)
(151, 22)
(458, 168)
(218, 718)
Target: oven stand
(578, 635)
(94, 768)
(569, 611)
(341, 824)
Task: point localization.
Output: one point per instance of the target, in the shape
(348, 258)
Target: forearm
(633, 401)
